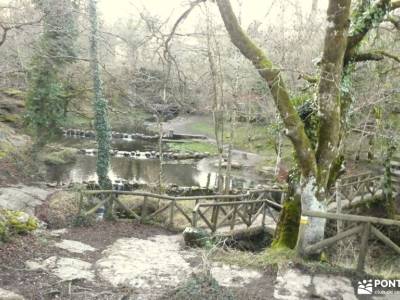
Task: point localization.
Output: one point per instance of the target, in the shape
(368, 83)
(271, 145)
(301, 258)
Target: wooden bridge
(212, 212)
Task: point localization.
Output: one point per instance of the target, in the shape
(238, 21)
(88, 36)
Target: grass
(268, 257)
(202, 127)
(379, 266)
(193, 146)
(254, 137)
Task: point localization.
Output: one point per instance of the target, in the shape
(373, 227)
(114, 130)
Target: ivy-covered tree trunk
(102, 127)
(314, 163)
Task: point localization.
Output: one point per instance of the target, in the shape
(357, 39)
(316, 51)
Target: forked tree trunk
(315, 165)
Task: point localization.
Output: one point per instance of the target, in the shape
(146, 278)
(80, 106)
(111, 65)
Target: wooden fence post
(363, 247)
(194, 218)
(338, 199)
(108, 204)
(171, 213)
(233, 220)
(80, 202)
(144, 208)
(300, 237)
(215, 222)
(264, 214)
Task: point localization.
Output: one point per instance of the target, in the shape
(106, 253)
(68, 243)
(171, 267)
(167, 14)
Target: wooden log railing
(365, 228)
(174, 205)
(247, 211)
(353, 190)
(395, 173)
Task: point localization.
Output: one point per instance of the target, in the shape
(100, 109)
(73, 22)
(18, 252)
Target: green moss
(193, 146)
(5, 149)
(10, 118)
(15, 222)
(268, 257)
(288, 226)
(13, 93)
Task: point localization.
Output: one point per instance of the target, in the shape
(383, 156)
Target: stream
(146, 171)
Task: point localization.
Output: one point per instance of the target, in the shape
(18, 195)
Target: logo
(365, 287)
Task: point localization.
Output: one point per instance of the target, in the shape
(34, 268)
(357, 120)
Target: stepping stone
(64, 267)
(58, 232)
(293, 284)
(8, 295)
(74, 246)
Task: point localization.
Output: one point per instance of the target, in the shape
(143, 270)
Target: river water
(146, 171)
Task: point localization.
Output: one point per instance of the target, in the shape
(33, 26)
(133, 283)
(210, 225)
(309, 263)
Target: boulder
(61, 210)
(22, 198)
(67, 269)
(15, 222)
(196, 237)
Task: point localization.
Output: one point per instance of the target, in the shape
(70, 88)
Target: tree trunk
(103, 132)
(315, 229)
(314, 164)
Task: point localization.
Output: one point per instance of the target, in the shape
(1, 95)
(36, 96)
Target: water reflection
(143, 171)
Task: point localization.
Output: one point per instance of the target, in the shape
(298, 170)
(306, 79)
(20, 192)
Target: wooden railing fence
(366, 226)
(214, 206)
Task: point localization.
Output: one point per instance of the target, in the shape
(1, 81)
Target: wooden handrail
(180, 198)
(234, 203)
(347, 217)
(360, 181)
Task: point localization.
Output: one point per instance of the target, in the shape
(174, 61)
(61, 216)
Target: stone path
(151, 266)
(158, 264)
(293, 284)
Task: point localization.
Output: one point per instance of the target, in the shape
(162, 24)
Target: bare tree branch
(376, 55)
(7, 28)
(178, 21)
(272, 75)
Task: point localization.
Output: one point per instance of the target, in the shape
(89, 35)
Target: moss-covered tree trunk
(314, 164)
(103, 132)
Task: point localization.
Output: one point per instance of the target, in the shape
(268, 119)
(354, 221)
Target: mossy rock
(15, 222)
(196, 237)
(60, 156)
(63, 207)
